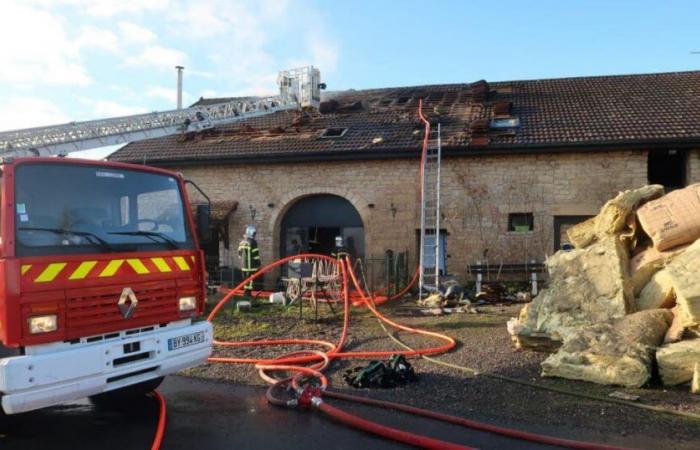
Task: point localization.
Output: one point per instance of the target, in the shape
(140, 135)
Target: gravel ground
(484, 344)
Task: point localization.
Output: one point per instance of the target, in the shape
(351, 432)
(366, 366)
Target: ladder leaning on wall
(429, 271)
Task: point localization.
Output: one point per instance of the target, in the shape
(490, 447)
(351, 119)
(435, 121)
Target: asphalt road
(210, 415)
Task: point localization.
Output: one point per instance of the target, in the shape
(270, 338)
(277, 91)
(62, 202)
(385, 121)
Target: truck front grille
(90, 308)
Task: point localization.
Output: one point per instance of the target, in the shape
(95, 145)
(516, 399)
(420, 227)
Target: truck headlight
(43, 324)
(187, 303)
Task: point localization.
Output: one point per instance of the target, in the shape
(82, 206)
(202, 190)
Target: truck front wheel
(126, 394)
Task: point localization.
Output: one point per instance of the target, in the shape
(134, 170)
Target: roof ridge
(588, 77)
(334, 93)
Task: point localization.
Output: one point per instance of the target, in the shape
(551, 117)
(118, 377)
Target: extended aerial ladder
(299, 88)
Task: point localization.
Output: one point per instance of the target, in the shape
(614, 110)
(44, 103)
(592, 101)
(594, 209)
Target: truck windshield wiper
(150, 234)
(90, 237)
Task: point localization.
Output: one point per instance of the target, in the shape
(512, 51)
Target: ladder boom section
(77, 136)
(299, 88)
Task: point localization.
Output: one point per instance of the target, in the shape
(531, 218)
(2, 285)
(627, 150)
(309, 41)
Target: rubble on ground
(496, 292)
(437, 304)
(626, 298)
(436, 300)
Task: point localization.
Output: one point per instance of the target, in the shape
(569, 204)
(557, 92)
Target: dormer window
(505, 122)
(334, 132)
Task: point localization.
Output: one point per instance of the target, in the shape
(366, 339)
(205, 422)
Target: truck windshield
(72, 208)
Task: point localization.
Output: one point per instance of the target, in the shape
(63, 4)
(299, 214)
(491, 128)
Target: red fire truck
(101, 277)
(101, 280)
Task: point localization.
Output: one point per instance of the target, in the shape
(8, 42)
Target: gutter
(407, 153)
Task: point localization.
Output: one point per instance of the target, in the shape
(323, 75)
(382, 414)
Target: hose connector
(310, 396)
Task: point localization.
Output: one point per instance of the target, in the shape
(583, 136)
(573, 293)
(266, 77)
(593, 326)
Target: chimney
(179, 86)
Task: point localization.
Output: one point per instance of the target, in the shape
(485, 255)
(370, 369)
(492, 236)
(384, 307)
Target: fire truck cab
(101, 280)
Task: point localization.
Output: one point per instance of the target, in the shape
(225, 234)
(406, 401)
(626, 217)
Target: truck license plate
(186, 340)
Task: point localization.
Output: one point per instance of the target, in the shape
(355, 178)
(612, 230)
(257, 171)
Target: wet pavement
(211, 415)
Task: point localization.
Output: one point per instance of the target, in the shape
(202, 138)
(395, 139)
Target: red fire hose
(387, 432)
(162, 420)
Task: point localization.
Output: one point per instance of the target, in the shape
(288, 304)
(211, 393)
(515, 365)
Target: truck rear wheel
(123, 395)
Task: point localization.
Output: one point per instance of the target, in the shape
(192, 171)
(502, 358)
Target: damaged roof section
(481, 115)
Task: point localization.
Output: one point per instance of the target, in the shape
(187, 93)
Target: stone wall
(478, 194)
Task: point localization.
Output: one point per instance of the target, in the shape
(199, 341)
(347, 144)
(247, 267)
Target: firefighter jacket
(249, 255)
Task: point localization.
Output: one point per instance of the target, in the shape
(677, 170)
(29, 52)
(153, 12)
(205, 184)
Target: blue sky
(68, 60)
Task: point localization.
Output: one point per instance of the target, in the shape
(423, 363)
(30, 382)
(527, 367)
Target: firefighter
(249, 255)
(340, 251)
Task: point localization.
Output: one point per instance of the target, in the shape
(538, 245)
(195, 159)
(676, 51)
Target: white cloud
(134, 33)
(200, 73)
(210, 93)
(108, 108)
(234, 47)
(158, 57)
(36, 48)
(167, 94)
(110, 8)
(203, 20)
(93, 37)
(242, 38)
(27, 112)
(324, 54)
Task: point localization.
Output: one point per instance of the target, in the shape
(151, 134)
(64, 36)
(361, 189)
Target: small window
(333, 132)
(521, 222)
(509, 122)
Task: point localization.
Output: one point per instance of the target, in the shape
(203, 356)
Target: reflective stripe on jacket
(249, 255)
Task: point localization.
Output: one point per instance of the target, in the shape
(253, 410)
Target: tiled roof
(566, 112)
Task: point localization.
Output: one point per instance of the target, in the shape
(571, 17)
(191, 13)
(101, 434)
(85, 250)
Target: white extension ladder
(430, 249)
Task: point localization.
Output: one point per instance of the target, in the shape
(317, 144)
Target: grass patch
(229, 330)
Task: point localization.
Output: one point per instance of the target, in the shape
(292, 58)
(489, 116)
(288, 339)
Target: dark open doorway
(667, 167)
(322, 239)
(312, 223)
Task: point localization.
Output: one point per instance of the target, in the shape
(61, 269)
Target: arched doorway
(312, 223)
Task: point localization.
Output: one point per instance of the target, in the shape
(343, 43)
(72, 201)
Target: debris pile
(438, 304)
(627, 297)
(497, 293)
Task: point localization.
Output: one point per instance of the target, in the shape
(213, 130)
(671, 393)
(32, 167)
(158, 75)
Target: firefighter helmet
(250, 231)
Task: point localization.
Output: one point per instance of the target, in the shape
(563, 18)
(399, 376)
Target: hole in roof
(402, 100)
(333, 132)
(386, 101)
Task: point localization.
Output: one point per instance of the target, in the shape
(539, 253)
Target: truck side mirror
(203, 219)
